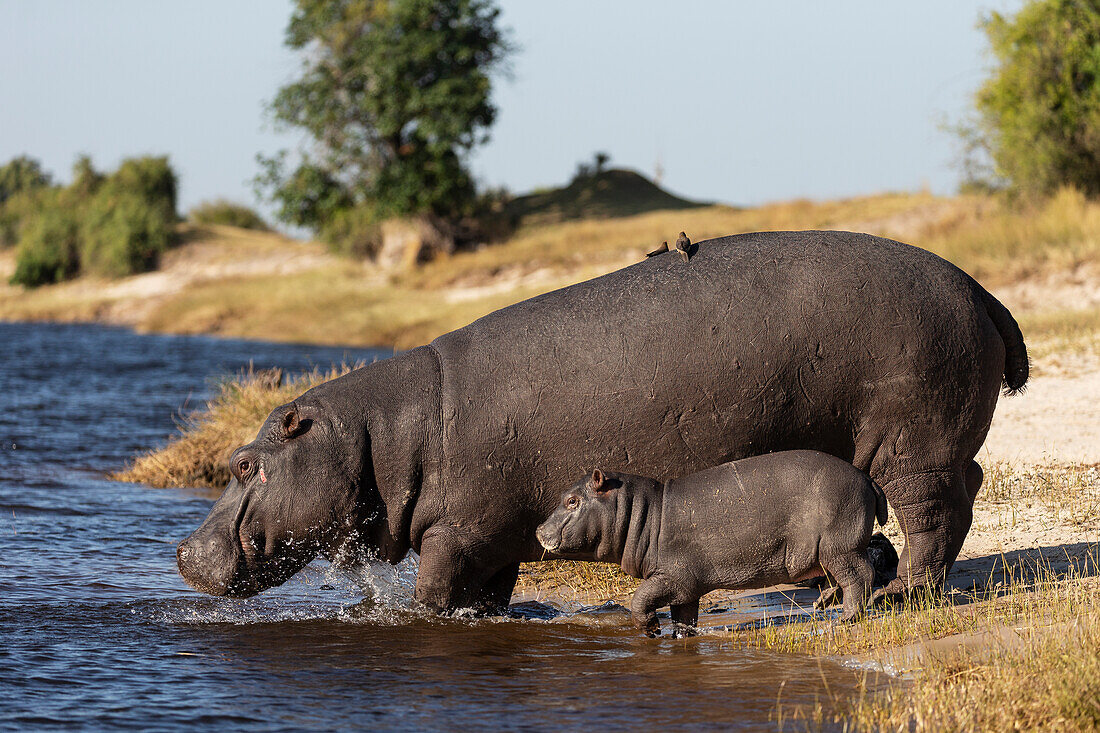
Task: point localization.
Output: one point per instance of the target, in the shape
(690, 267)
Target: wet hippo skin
(760, 521)
(873, 351)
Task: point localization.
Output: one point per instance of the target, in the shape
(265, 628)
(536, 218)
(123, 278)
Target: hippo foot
(896, 593)
(851, 616)
(683, 631)
(829, 596)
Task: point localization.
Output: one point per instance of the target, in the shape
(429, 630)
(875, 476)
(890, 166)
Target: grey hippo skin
(760, 521)
(870, 350)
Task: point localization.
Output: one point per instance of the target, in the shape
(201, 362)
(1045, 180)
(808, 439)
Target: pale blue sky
(741, 102)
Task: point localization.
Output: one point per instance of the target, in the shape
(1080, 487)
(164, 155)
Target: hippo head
(582, 526)
(294, 494)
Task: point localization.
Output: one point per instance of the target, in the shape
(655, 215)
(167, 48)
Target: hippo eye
(572, 502)
(243, 467)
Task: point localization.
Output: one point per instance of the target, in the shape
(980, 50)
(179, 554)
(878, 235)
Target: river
(97, 630)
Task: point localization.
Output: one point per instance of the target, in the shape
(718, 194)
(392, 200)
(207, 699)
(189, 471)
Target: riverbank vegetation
(106, 225)
(227, 213)
(215, 282)
(1026, 659)
(199, 454)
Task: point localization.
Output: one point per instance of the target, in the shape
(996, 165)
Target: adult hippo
(874, 351)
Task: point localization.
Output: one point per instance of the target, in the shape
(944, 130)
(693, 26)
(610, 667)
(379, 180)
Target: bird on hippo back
(871, 350)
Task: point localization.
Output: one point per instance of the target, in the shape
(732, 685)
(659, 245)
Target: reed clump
(198, 455)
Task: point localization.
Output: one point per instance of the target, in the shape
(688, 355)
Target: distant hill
(605, 195)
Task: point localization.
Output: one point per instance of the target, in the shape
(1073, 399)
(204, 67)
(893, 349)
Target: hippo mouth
(241, 576)
(228, 562)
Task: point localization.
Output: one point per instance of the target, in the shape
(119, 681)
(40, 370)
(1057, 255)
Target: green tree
(149, 178)
(20, 175)
(86, 179)
(121, 234)
(1038, 115)
(393, 94)
(49, 244)
(112, 225)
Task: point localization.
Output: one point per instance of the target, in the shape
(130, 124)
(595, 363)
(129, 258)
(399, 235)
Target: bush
(112, 225)
(150, 179)
(86, 179)
(21, 180)
(353, 232)
(227, 213)
(47, 248)
(1038, 116)
(21, 174)
(16, 211)
(123, 234)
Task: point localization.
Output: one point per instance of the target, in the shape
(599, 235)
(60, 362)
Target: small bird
(683, 246)
(659, 251)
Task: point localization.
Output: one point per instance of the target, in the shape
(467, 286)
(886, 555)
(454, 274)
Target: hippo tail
(1016, 361)
(881, 513)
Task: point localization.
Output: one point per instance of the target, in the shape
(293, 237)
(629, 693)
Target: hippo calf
(776, 518)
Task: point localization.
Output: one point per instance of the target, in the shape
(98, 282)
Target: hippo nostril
(547, 539)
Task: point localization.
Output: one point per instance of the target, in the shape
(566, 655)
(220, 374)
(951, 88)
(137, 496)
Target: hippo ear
(595, 481)
(291, 422)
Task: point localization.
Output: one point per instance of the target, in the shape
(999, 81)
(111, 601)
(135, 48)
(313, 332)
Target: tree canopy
(1039, 112)
(21, 174)
(392, 94)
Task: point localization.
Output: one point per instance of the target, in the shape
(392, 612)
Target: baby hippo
(776, 518)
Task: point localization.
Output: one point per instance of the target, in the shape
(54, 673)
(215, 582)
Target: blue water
(97, 630)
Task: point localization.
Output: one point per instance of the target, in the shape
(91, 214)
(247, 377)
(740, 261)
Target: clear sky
(739, 102)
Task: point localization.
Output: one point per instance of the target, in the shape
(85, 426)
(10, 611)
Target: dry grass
(573, 581)
(1023, 593)
(1068, 494)
(1052, 336)
(1045, 676)
(344, 304)
(199, 455)
(332, 305)
(1022, 655)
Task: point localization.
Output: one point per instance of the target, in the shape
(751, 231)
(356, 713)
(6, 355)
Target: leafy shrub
(112, 225)
(48, 248)
(21, 174)
(1038, 115)
(123, 234)
(21, 180)
(86, 179)
(354, 232)
(227, 213)
(150, 179)
(17, 210)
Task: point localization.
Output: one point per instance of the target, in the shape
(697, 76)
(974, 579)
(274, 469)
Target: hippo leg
(447, 579)
(685, 617)
(658, 591)
(494, 596)
(854, 575)
(934, 511)
(973, 479)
